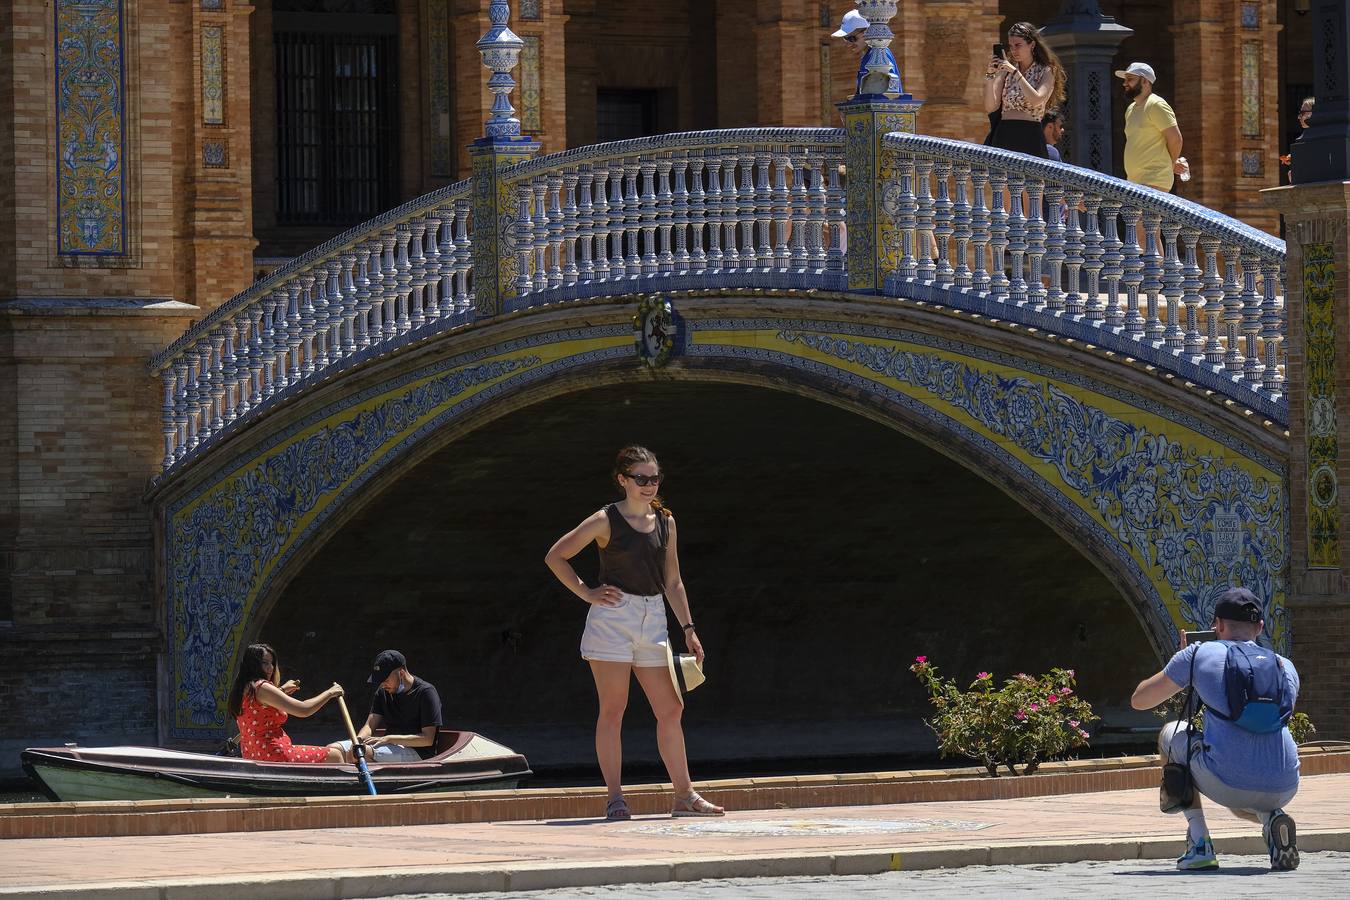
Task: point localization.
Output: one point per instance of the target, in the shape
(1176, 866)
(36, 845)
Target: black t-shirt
(410, 711)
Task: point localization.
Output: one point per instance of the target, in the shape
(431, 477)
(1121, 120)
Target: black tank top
(632, 561)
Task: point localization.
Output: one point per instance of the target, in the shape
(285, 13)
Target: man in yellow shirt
(1152, 138)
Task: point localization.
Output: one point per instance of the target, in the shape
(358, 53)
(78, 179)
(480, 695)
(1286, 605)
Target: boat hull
(143, 773)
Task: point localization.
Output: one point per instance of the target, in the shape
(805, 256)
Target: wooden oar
(358, 749)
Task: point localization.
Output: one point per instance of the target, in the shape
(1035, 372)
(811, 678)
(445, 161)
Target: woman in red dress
(260, 705)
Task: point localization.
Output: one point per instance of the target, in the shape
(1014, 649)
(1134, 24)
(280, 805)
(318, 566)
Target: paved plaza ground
(579, 853)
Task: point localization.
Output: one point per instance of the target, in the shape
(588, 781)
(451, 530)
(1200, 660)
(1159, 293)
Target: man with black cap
(1246, 765)
(405, 706)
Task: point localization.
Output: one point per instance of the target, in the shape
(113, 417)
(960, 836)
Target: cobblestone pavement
(1319, 875)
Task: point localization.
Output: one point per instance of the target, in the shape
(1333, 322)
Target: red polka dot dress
(261, 735)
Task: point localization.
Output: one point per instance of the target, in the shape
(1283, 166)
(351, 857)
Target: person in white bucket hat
(852, 30)
(1152, 138)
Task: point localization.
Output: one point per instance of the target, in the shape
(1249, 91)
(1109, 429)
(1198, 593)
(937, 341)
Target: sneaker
(1281, 839)
(1199, 857)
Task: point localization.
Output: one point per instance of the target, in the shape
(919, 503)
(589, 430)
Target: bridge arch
(1168, 493)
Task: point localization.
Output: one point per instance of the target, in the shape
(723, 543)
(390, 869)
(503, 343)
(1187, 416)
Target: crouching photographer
(1245, 760)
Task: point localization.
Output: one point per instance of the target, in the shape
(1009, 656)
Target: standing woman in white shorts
(626, 625)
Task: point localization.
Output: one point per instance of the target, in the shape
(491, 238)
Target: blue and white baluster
(1055, 254)
(716, 213)
(1113, 258)
(555, 229)
(780, 209)
(402, 278)
(749, 208)
(1036, 296)
(731, 255)
(602, 224)
(1272, 324)
(665, 213)
(820, 215)
(1174, 338)
(522, 246)
(295, 332)
(216, 383)
(681, 260)
(463, 257)
(389, 287)
(1094, 306)
(1153, 272)
(570, 226)
(309, 319)
(998, 240)
(1232, 311)
(618, 265)
(943, 228)
(180, 405)
(1193, 343)
(799, 209)
(539, 187)
(1074, 305)
(1214, 294)
(585, 233)
(1133, 278)
(257, 310)
(364, 299)
(923, 234)
(342, 303)
(764, 206)
(837, 212)
(907, 215)
(632, 217)
(698, 215)
(1017, 240)
(417, 264)
(1252, 367)
(197, 364)
(647, 218)
(438, 223)
(980, 234)
(168, 426)
(229, 365)
(274, 340)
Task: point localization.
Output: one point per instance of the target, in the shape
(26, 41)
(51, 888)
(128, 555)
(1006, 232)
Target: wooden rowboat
(464, 762)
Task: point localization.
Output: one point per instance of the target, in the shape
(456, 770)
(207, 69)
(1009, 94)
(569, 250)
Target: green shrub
(1024, 722)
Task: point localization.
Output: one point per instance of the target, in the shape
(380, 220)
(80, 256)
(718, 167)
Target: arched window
(337, 124)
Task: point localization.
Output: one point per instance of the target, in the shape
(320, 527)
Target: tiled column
(1317, 310)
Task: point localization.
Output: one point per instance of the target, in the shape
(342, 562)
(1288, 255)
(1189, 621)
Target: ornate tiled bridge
(1108, 355)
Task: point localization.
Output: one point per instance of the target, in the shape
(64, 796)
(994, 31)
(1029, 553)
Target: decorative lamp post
(1086, 41)
(500, 49)
(501, 147)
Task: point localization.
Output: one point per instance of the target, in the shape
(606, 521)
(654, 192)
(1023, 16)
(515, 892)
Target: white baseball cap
(853, 20)
(1143, 70)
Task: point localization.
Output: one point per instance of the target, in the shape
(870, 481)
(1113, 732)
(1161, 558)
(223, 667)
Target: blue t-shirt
(894, 86)
(1240, 759)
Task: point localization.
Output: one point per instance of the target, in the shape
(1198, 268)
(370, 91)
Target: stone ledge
(209, 815)
(97, 306)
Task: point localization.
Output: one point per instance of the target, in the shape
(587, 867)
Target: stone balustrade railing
(359, 295)
(1056, 247)
(1120, 266)
(750, 207)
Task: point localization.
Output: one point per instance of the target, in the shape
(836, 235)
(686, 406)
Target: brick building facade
(213, 133)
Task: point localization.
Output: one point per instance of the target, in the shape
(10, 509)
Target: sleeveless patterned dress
(261, 736)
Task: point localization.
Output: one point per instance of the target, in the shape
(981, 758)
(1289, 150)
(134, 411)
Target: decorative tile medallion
(1251, 88)
(438, 61)
(1251, 15)
(1252, 166)
(1319, 318)
(91, 142)
(213, 75)
(529, 9)
(215, 155)
(531, 119)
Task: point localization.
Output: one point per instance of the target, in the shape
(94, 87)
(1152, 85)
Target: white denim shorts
(632, 632)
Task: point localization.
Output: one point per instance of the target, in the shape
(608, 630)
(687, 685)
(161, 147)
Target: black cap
(386, 662)
(1238, 605)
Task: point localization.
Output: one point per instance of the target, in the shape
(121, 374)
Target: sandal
(694, 805)
(617, 810)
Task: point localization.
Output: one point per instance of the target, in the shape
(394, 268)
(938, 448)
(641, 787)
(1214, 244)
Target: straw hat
(685, 671)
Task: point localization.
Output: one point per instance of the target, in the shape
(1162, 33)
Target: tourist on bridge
(1245, 760)
(1052, 127)
(408, 708)
(886, 83)
(1152, 138)
(1022, 80)
(626, 624)
(260, 703)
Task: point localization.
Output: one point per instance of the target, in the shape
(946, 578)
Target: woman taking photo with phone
(626, 623)
(1022, 82)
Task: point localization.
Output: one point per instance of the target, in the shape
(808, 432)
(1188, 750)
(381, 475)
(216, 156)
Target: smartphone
(998, 51)
(1196, 637)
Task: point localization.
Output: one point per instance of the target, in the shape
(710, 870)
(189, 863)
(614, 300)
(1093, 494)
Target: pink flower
(1070, 671)
(1082, 734)
(1052, 699)
(1020, 715)
(1073, 723)
(1034, 707)
(921, 659)
(982, 675)
(1066, 692)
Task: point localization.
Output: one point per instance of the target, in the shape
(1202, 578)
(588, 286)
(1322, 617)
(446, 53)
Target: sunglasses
(644, 480)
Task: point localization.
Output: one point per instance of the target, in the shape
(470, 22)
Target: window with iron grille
(337, 118)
